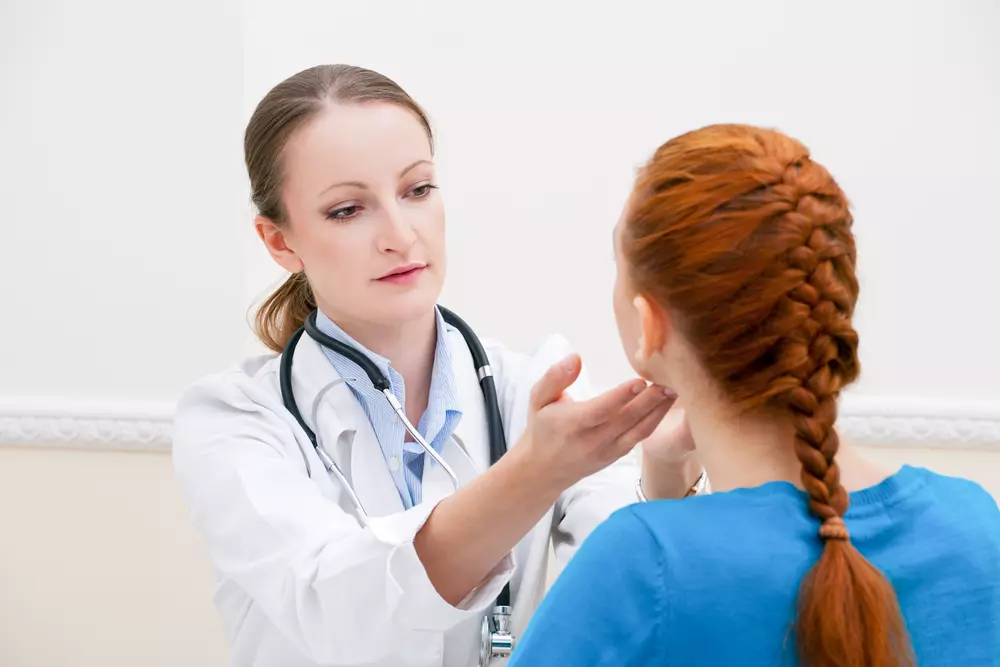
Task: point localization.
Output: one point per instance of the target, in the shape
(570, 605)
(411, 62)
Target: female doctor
(368, 548)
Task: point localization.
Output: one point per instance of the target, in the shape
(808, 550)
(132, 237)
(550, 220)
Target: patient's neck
(742, 451)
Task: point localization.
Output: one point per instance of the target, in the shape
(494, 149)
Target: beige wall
(100, 568)
(980, 466)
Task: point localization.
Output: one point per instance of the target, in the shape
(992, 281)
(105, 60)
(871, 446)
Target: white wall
(122, 195)
(130, 257)
(544, 109)
(127, 258)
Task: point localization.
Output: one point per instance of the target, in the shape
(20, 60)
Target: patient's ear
(654, 324)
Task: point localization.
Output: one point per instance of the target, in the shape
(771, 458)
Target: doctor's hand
(564, 441)
(570, 440)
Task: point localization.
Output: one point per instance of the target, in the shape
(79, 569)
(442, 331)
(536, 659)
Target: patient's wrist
(668, 480)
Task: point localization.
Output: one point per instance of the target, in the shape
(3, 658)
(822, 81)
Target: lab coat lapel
(343, 429)
(467, 451)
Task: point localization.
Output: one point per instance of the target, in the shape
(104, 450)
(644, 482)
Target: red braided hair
(748, 243)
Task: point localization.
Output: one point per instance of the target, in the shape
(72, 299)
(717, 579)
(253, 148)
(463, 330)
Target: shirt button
(394, 463)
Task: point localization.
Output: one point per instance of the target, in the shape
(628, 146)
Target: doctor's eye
(343, 213)
(422, 191)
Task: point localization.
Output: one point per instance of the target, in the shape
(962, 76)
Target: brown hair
(286, 108)
(748, 242)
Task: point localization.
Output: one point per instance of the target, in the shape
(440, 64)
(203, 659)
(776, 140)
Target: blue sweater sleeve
(607, 606)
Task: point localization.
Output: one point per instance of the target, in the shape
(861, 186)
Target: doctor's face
(365, 220)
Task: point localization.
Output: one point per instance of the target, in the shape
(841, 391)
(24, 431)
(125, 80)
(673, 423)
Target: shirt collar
(443, 391)
(444, 388)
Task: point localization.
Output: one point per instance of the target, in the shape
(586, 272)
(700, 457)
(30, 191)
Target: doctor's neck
(408, 345)
(403, 343)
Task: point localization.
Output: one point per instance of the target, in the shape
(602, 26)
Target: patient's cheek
(641, 368)
(653, 370)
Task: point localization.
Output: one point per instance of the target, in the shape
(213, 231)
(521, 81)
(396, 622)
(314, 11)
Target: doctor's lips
(403, 275)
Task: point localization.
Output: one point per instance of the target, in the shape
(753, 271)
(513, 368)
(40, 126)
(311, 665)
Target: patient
(736, 285)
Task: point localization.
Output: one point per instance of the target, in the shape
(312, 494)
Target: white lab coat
(300, 581)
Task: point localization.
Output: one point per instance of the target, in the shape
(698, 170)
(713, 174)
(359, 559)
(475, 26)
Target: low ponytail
(748, 243)
(847, 611)
(284, 312)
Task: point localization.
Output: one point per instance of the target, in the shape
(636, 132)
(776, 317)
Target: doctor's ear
(654, 324)
(274, 238)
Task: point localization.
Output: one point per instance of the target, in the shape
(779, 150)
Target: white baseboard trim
(145, 426)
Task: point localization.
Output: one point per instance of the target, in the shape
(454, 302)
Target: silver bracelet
(638, 490)
(699, 485)
(696, 489)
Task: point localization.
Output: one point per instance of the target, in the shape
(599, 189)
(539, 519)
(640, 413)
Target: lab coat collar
(331, 410)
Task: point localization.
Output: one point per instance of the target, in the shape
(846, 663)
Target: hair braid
(821, 355)
(748, 243)
(822, 350)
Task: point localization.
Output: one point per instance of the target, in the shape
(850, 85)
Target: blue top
(404, 460)
(713, 580)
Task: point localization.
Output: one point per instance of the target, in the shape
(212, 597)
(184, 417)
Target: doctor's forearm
(470, 532)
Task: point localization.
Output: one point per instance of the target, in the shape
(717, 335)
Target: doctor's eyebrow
(355, 184)
(359, 184)
(415, 164)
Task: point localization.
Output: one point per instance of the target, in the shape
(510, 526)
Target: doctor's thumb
(555, 381)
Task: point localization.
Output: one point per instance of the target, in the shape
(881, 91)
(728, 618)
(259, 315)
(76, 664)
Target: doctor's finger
(651, 402)
(600, 409)
(635, 410)
(641, 430)
(555, 381)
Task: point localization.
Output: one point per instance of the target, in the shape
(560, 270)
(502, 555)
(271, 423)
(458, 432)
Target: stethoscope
(497, 640)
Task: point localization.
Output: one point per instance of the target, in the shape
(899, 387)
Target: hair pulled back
(747, 241)
(286, 108)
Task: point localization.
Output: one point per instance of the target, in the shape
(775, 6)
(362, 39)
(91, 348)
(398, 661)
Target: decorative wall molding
(129, 425)
(116, 425)
(917, 422)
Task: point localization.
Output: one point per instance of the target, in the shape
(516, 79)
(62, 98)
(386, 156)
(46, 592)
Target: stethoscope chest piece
(497, 640)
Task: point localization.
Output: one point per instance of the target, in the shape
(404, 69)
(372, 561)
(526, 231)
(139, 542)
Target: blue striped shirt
(405, 460)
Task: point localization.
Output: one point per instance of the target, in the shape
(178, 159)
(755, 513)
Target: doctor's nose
(396, 234)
